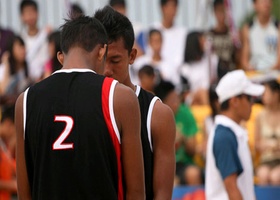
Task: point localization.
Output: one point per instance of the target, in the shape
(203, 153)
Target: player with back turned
(77, 137)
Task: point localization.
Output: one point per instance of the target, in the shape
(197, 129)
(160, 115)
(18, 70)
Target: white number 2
(58, 144)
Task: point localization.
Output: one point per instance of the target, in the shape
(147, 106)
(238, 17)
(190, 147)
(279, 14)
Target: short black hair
(225, 105)
(217, 2)
(82, 31)
(76, 9)
(117, 3)
(26, 3)
(163, 89)
(274, 85)
(193, 50)
(8, 112)
(117, 26)
(153, 30)
(146, 69)
(163, 2)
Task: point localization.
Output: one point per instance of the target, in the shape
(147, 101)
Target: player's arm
(22, 179)
(127, 114)
(232, 189)
(245, 51)
(163, 137)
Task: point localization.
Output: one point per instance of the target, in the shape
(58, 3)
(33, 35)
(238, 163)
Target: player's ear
(132, 56)
(102, 52)
(60, 57)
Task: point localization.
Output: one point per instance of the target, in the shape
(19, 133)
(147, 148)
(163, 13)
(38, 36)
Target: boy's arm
(163, 137)
(127, 114)
(22, 179)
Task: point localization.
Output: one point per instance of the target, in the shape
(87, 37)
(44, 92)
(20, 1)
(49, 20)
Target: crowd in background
(181, 67)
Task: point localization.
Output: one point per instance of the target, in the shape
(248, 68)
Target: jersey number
(58, 144)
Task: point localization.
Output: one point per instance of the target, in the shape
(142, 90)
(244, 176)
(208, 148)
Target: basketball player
(157, 120)
(77, 136)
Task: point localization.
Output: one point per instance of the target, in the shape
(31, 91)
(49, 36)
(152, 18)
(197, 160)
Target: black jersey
(146, 102)
(72, 145)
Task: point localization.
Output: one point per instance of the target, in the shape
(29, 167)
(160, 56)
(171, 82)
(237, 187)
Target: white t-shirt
(37, 53)
(263, 45)
(199, 73)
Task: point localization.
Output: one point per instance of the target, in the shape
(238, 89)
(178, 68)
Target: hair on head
(152, 31)
(76, 10)
(163, 89)
(117, 3)
(82, 31)
(193, 49)
(8, 112)
(117, 26)
(218, 2)
(146, 69)
(163, 2)
(26, 3)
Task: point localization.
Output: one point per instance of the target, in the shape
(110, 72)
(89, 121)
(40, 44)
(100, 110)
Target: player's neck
(76, 58)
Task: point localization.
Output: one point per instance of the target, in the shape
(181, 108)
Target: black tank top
(146, 102)
(72, 145)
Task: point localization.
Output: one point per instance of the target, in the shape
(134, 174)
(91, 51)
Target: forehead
(117, 48)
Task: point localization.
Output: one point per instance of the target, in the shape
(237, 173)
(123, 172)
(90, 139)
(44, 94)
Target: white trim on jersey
(111, 109)
(149, 120)
(24, 110)
(73, 70)
(138, 88)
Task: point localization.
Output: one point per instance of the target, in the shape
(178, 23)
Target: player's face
(118, 60)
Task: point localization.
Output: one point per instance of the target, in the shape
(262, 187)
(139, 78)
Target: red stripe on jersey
(106, 112)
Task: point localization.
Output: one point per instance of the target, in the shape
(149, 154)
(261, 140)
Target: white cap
(235, 83)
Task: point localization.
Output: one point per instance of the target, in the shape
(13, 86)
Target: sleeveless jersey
(72, 144)
(146, 102)
(263, 44)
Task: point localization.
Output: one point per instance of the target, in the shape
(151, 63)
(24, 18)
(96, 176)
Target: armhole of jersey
(24, 109)
(149, 120)
(111, 109)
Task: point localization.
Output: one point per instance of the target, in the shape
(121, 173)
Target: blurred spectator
(54, 47)
(221, 40)
(200, 69)
(260, 38)
(147, 78)
(267, 133)
(8, 185)
(186, 170)
(162, 68)
(173, 36)
(5, 36)
(118, 5)
(229, 169)
(34, 38)
(76, 9)
(14, 70)
(209, 120)
(215, 107)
